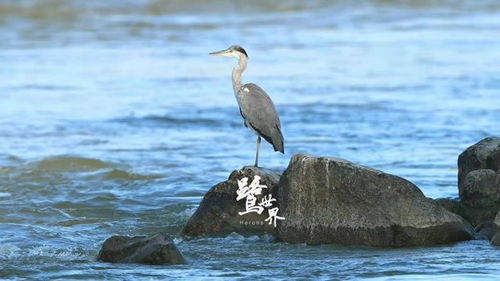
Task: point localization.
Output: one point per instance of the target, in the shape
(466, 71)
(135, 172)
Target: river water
(114, 120)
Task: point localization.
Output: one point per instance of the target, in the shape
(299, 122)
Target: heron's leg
(257, 155)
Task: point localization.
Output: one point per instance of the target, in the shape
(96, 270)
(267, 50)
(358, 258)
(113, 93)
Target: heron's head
(233, 51)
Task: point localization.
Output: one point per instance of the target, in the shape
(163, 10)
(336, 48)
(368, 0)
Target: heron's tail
(277, 141)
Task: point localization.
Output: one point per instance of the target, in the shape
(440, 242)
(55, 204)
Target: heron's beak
(220, 53)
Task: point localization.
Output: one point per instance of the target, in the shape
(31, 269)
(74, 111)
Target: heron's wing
(259, 112)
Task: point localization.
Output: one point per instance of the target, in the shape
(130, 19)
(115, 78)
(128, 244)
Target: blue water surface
(114, 120)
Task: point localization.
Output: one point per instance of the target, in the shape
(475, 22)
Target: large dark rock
(218, 213)
(475, 216)
(329, 200)
(156, 249)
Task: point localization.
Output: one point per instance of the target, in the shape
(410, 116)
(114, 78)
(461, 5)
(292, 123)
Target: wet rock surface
(155, 250)
(330, 200)
(218, 213)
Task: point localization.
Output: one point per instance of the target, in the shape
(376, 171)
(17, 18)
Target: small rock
(156, 249)
(482, 155)
(479, 180)
(481, 189)
(329, 200)
(218, 215)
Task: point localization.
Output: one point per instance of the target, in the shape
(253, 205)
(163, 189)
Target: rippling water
(114, 120)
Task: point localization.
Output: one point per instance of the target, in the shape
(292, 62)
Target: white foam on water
(5, 194)
(8, 250)
(67, 254)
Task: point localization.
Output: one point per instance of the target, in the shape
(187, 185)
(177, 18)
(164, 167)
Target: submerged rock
(329, 200)
(218, 213)
(479, 181)
(156, 249)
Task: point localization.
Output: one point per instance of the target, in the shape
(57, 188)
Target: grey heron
(256, 107)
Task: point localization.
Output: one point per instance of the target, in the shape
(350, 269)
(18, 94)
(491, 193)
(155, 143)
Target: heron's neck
(237, 70)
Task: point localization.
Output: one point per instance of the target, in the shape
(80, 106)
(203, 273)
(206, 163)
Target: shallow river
(114, 120)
